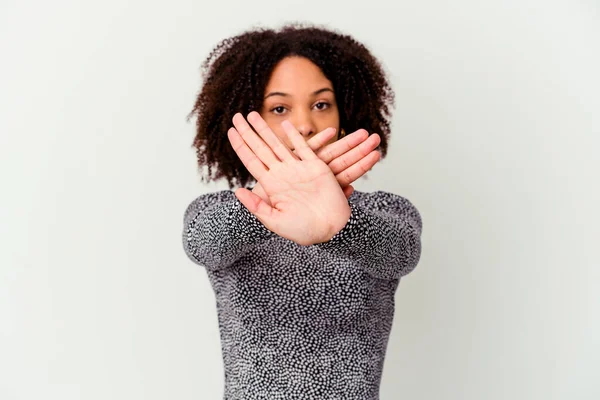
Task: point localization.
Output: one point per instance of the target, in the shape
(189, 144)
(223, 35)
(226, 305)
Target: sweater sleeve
(383, 235)
(218, 229)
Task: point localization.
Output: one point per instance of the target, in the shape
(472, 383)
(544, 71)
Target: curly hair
(237, 71)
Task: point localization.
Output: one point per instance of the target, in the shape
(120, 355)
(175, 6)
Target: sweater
(304, 322)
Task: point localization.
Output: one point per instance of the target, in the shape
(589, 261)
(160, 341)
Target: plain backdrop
(495, 139)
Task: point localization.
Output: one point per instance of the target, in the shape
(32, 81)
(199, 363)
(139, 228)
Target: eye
(323, 105)
(278, 110)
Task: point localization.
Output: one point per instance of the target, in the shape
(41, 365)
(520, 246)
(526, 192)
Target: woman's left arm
(383, 235)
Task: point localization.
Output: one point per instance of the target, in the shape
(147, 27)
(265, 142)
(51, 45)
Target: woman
(304, 268)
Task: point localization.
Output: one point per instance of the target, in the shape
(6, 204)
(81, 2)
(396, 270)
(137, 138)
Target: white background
(495, 139)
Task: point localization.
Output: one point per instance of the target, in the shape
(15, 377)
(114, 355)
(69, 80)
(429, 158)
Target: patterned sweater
(304, 322)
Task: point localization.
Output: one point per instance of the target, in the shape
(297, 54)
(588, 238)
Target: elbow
(402, 260)
(409, 258)
(211, 259)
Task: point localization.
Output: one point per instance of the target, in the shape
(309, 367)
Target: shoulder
(207, 200)
(387, 203)
(380, 200)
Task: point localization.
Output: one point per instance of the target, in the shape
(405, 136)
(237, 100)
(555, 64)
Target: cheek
(331, 120)
(333, 117)
(334, 121)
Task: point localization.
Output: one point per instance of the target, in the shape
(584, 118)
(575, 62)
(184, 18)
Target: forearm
(387, 244)
(218, 230)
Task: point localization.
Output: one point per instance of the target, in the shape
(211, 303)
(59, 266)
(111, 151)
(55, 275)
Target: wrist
(339, 224)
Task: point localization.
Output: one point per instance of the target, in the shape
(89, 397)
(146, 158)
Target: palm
(305, 202)
(305, 197)
(348, 158)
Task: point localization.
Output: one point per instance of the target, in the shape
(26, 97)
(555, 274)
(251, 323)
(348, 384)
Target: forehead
(297, 75)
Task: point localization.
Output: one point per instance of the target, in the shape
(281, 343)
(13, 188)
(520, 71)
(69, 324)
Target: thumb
(256, 205)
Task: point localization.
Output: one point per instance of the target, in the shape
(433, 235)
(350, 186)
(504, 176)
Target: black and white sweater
(304, 322)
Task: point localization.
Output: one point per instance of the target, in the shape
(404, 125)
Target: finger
(348, 190)
(339, 147)
(319, 140)
(260, 192)
(356, 154)
(257, 206)
(357, 170)
(258, 146)
(249, 159)
(275, 144)
(300, 146)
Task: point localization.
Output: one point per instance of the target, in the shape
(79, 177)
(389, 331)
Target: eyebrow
(286, 94)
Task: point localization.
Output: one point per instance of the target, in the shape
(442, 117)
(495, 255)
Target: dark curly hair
(238, 69)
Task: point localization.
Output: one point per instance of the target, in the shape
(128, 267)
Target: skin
(300, 93)
(308, 205)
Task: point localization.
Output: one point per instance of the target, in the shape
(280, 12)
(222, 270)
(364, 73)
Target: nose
(304, 124)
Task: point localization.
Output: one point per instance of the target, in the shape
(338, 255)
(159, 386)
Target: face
(299, 92)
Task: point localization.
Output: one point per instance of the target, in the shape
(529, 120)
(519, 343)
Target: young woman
(304, 268)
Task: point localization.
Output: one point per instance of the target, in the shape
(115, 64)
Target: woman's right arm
(218, 229)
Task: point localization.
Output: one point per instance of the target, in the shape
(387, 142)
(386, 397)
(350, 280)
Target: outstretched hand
(307, 204)
(348, 158)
